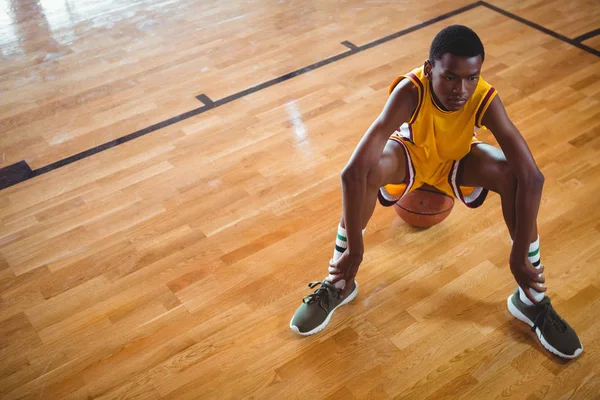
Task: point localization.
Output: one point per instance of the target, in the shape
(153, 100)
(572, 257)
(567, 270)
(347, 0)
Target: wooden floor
(168, 267)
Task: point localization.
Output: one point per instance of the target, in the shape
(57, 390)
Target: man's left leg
(486, 166)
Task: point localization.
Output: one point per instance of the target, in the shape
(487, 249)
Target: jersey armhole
(483, 106)
(418, 84)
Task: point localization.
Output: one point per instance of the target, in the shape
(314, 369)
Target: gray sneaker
(316, 309)
(553, 332)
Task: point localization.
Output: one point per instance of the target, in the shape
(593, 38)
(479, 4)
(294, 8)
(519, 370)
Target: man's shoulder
(406, 90)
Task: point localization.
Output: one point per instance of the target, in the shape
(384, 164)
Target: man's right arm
(365, 159)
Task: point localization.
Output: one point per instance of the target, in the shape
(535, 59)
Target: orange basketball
(424, 207)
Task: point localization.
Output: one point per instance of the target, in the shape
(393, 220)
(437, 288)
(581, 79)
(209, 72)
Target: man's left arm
(529, 183)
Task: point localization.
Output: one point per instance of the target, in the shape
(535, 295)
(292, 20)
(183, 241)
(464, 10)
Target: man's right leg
(316, 309)
(391, 169)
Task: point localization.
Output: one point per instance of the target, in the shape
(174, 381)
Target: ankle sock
(341, 244)
(535, 259)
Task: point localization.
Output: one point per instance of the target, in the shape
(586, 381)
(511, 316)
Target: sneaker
(553, 331)
(317, 308)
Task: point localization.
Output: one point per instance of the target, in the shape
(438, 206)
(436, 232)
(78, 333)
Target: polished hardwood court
(168, 266)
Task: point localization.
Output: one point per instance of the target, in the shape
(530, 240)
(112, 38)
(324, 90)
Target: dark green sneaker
(317, 308)
(553, 331)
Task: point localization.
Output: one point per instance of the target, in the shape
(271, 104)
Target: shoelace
(321, 295)
(547, 316)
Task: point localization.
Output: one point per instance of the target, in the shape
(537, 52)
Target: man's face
(454, 79)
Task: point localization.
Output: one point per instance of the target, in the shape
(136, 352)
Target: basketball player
(425, 135)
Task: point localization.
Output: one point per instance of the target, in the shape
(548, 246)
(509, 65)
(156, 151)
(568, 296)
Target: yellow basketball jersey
(439, 135)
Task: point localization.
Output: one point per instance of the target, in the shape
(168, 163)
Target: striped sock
(534, 257)
(341, 244)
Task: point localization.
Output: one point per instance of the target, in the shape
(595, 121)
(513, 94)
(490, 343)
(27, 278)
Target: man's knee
(375, 178)
(505, 178)
(392, 165)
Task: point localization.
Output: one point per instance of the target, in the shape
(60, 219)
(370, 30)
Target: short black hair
(458, 40)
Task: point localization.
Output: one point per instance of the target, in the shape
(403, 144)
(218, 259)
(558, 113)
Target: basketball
(424, 207)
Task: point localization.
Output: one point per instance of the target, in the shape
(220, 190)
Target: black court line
(209, 104)
(547, 31)
(20, 171)
(587, 36)
(118, 141)
(206, 100)
(14, 174)
(419, 26)
(349, 45)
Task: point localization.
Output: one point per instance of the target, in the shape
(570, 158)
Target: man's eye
(449, 78)
(474, 78)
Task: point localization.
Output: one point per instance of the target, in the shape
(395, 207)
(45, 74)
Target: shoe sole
(324, 324)
(522, 317)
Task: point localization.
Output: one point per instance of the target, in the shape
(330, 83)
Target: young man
(425, 135)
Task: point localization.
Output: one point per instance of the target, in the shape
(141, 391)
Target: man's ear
(427, 67)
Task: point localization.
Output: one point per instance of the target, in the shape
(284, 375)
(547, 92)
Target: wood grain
(169, 267)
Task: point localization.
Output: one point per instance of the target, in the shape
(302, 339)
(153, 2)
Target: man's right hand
(346, 268)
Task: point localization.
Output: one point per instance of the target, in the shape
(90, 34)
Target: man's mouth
(456, 100)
